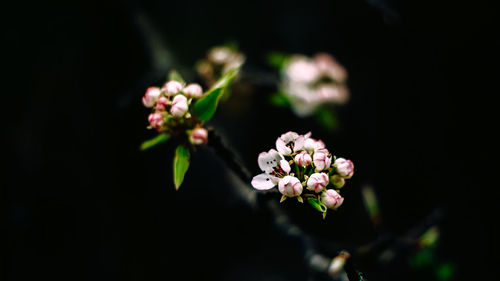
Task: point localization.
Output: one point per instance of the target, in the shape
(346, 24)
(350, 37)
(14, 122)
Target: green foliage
(445, 272)
(206, 106)
(181, 164)
(327, 118)
(317, 204)
(174, 75)
(161, 138)
(279, 99)
(277, 60)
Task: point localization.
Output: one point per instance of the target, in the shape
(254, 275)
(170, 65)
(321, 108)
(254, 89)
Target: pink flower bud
(198, 136)
(337, 181)
(321, 159)
(172, 87)
(179, 106)
(193, 90)
(345, 168)
(303, 159)
(162, 103)
(332, 199)
(156, 120)
(290, 186)
(317, 182)
(151, 96)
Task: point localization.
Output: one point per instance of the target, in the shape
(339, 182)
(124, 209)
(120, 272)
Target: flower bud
(321, 159)
(290, 186)
(151, 96)
(303, 159)
(337, 181)
(193, 90)
(332, 199)
(345, 168)
(156, 120)
(162, 103)
(317, 182)
(198, 136)
(285, 166)
(179, 106)
(172, 87)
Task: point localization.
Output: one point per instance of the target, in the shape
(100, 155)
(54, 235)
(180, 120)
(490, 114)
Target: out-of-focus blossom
(151, 96)
(193, 90)
(219, 61)
(172, 87)
(162, 104)
(156, 120)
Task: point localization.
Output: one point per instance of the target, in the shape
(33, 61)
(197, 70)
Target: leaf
(277, 60)
(174, 75)
(327, 118)
(181, 164)
(316, 204)
(279, 99)
(161, 138)
(206, 106)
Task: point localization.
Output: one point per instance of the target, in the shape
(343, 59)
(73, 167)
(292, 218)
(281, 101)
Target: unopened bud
(179, 106)
(162, 103)
(193, 90)
(345, 168)
(198, 136)
(172, 87)
(151, 96)
(156, 120)
(337, 181)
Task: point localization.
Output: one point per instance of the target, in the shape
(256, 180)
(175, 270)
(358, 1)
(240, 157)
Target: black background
(84, 204)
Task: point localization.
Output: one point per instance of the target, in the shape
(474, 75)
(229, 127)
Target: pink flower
(198, 136)
(151, 96)
(332, 93)
(317, 182)
(303, 159)
(156, 120)
(332, 199)
(345, 168)
(337, 181)
(264, 181)
(179, 106)
(162, 103)
(322, 159)
(268, 160)
(193, 90)
(289, 142)
(172, 87)
(290, 186)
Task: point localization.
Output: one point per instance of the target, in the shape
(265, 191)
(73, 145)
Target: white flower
(268, 160)
(179, 106)
(321, 159)
(317, 182)
(289, 142)
(345, 168)
(151, 96)
(301, 69)
(193, 90)
(198, 136)
(290, 186)
(172, 87)
(303, 159)
(264, 181)
(311, 144)
(332, 93)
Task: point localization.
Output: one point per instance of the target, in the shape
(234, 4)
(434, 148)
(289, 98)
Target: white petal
(285, 166)
(299, 143)
(282, 148)
(263, 182)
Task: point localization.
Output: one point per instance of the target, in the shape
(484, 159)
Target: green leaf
(318, 205)
(279, 99)
(181, 164)
(154, 141)
(206, 106)
(277, 60)
(174, 75)
(327, 118)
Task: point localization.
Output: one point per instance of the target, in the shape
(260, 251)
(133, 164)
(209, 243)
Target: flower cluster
(171, 113)
(219, 61)
(302, 167)
(311, 82)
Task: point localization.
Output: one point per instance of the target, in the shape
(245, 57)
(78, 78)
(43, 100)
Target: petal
(285, 166)
(299, 143)
(263, 182)
(282, 148)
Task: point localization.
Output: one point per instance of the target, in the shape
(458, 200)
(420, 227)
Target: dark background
(84, 204)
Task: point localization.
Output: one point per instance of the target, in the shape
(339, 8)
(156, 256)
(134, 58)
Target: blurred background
(83, 203)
